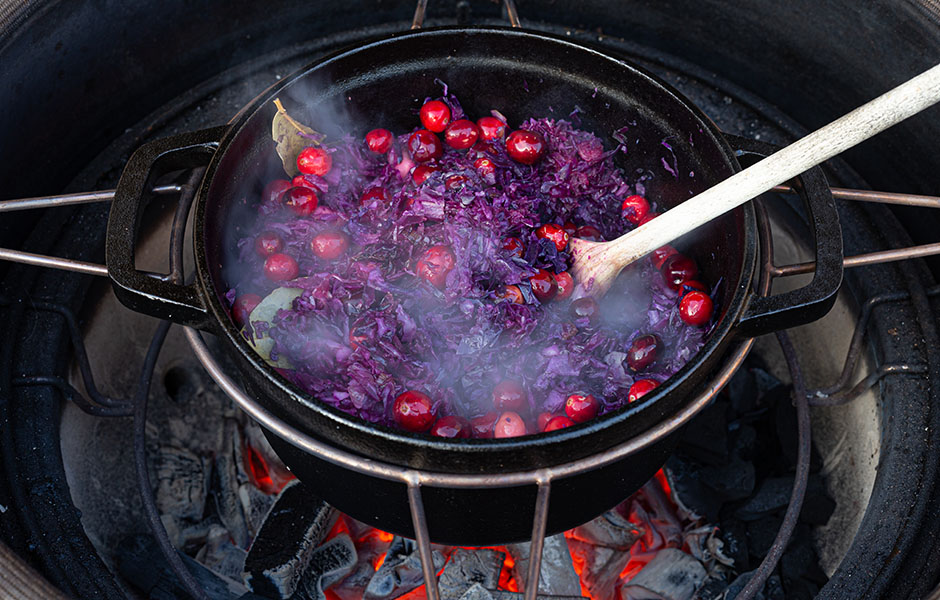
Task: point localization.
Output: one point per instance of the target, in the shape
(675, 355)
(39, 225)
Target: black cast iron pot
(522, 74)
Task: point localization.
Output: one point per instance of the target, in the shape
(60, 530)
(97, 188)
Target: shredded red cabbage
(366, 328)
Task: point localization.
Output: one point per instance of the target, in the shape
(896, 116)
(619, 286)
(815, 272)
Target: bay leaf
(291, 137)
(281, 298)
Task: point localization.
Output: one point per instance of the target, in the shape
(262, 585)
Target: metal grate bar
(72, 199)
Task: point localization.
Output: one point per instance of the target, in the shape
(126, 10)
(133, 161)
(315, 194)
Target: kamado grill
(205, 509)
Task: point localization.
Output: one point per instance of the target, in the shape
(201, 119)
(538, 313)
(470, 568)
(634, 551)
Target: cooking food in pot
(420, 280)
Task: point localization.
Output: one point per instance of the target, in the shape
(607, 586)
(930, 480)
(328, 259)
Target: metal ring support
(421, 8)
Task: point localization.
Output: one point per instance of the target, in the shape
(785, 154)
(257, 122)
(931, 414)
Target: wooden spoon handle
(890, 108)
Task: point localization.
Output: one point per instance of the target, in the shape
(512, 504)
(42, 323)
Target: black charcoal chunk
(772, 590)
(760, 536)
(671, 574)
(329, 563)
(733, 480)
(742, 390)
(401, 572)
(688, 490)
(467, 567)
(772, 495)
(706, 437)
(712, 589)
(734, 534)
(557, 574)
(141, 563)
(281, 553)
(744, 442)
(817, 506)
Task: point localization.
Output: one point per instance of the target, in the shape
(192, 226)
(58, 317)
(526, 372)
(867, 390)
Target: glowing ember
(269, 477)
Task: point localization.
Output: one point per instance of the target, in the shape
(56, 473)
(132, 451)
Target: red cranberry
(280, 267)
(461, 134)
(268, 243)
(435, 115)
(525, 146)
(570, 228)
(424, 146)
(634, 208)
(513, 246)
(484, 165)
(585, 308)
(543, 285)
(376, 194)
(314, 161)
(511, 293)
(412, 411)
(589, 233)
(678, 268)
(509, 395)
(243, 306)
(581, 407)
(696, 308)
(329, 245)
(301, 181)
(436, 263)
(509, 424)
(640, 388)
(491, 128)
(455, 182)
(691, 285)
(643, 351)
(274, 190)
(557, 423)
(565, 285)
(660, 255)
(301, 200)
(482, 427)
(554, 233)
(649, 217)
(451, 426)
(542, 420)
(379, 140)
(422, 172)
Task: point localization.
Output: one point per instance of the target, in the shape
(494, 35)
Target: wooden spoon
(596, 264)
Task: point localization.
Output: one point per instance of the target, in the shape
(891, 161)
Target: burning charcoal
(227, 465)
(401, 571)
(685, 479)
(141, 563)
(734, 534)
(732, 481)
(181, 482)
(672, 574)
(557, 574)
(478, 592)
(467, 567)
(221, 556)
(706, 437)
(255, 506)
(611, 530)
(329, 563)
(704, 544)
(600, 567)
(368, 550)
(282, 551)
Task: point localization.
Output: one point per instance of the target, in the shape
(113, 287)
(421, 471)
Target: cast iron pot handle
(137, 290)
(812, 301)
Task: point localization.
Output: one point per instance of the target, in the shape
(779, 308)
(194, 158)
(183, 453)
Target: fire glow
(655, 520)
